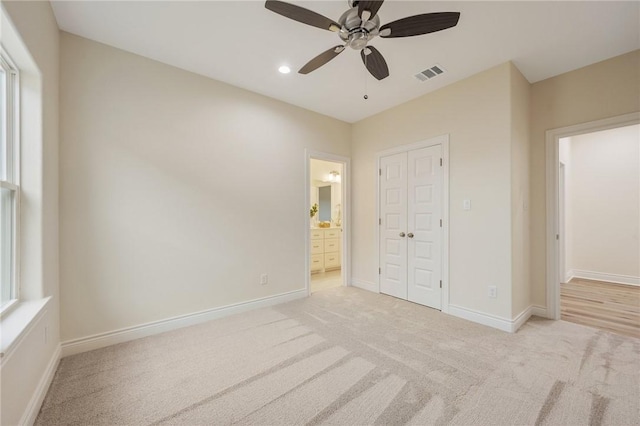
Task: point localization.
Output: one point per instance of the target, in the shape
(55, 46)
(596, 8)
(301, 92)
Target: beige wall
(606, 89)
(170, 201)
(520, 157)
(23, 369)
(605, 202)
(475, 113)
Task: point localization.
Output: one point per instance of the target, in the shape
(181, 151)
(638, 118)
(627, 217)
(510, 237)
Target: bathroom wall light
(334, 177)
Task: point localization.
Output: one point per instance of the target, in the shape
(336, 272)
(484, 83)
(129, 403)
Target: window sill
(16, 323)
(8, 307)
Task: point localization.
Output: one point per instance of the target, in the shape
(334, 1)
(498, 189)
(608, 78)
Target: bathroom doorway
(327, 236)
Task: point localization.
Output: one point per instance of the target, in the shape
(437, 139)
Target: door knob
(410, 235)
(402, 234)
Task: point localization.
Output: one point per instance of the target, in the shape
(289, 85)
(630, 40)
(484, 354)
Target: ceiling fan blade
(371, 6)
(375, 63)
(420, 24)
(301, 14)
(321, 59)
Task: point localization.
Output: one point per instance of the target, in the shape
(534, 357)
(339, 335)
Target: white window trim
(13, 152)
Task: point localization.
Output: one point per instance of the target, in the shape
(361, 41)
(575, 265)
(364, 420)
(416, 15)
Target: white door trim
(345, 267)
(562, 226)
(552, 164)
(438, 140)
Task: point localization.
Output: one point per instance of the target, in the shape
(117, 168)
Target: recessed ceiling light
(284, 69)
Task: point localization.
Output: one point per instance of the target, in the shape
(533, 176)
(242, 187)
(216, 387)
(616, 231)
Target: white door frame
(552, 155)
(562, 226)
(438, 140)
(345, 181)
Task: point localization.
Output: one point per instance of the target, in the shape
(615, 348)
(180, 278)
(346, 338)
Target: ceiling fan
(359, 25)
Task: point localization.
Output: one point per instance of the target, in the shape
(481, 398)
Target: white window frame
(11, 154)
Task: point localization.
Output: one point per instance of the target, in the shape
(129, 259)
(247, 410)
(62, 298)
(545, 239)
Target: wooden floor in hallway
(604, 305)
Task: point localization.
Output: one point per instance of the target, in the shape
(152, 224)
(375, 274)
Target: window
(9, 180)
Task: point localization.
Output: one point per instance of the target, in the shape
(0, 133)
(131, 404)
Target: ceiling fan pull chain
(366, 96)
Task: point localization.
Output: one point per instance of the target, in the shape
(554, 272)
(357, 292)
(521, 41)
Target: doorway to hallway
(594, 252)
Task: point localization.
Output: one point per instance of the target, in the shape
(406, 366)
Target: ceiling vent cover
(430, 73)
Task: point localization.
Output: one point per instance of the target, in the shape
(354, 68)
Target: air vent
(430, 73)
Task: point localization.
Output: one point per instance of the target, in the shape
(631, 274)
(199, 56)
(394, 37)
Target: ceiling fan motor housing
(356, 32)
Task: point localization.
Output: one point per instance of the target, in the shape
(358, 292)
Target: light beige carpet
(346, 356)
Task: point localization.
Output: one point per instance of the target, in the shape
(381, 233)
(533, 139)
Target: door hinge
(440, 283)
(379, 271)
(440, 223)
(380, 221)
(557, 236)
(379, 172)
(441, 162)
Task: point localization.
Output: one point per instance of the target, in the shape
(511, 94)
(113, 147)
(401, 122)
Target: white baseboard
(569, 276)
(365, 285)
(602, 276)
(96, 341)
(539, 311)
(522, 317)
(30, 414)
(504, 324)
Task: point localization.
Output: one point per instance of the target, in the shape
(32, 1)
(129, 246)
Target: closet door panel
(424, 208)
(393, 213)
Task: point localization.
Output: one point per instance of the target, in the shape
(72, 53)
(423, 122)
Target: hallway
(607, 306)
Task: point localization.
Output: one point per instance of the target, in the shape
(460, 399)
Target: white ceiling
(243, 44)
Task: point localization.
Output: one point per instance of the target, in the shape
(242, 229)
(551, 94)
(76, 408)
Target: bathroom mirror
(324, 203)
(325, 191)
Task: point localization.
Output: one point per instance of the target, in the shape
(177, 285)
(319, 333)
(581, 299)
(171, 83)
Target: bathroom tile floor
(325, 280)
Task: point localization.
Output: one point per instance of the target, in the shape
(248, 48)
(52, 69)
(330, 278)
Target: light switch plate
(493, 291)
(466, 204)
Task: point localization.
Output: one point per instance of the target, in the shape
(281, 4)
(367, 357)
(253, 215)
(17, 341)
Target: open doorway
(597, 250)
(327, 222)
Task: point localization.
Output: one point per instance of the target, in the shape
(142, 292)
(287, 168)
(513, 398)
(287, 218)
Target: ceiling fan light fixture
(360, 24)
(358, 40)
(284, 69)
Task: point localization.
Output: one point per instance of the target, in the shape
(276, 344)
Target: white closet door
(424, 234)
(393, 212)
